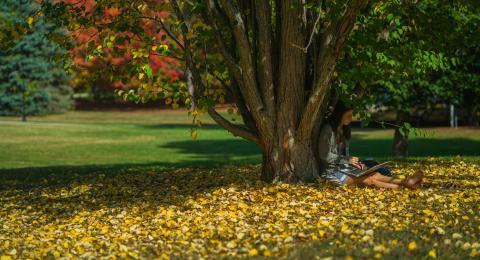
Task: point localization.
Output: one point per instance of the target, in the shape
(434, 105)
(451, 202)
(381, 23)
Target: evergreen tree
(32, 75)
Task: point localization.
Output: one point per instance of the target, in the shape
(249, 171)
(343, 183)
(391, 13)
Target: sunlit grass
(163, 138)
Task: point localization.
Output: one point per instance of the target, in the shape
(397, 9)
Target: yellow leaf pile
(150, 212)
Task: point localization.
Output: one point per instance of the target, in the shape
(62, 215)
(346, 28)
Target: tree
(390, 60)
(278, 58)
(32, 77)
(461, 82)
(281, 90)
(410, 56)
(96, 73)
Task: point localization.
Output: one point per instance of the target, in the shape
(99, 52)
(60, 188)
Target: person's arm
(330, 158)
(350, 159)
(344, 158)
(323, 144)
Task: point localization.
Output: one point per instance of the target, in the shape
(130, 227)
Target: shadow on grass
(220, 151)
(420, 147)
(361, 146)
(182, 126)
(71, 173)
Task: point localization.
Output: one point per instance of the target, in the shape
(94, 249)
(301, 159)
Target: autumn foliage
(100, 70)
(226, 212)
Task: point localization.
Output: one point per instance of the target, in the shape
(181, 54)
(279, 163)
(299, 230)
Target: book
(352, 170)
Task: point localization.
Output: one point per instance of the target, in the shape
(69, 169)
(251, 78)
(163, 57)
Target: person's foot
(414, 181)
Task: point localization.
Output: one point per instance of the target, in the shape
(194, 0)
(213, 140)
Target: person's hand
(354, 160)
(364, 167)
(359, 165)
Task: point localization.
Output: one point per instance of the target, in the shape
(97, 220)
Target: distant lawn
(441, 143)
(163, 138)
(100, 138)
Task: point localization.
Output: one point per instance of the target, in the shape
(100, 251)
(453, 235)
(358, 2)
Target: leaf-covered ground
(147, 212)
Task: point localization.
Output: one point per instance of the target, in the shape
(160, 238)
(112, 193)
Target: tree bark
(268, 71)
(290, 162)
(400, 141)
(24, 107)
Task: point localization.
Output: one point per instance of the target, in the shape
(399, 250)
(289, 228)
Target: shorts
(383, 171)
(337, 177)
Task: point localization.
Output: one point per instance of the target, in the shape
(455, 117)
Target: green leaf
(389, 17)
(397, 21)
(148, 71)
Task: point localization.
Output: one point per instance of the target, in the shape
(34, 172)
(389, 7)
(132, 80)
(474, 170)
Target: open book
(351, 170)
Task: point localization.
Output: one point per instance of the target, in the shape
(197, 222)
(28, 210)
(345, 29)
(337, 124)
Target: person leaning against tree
(333, 151)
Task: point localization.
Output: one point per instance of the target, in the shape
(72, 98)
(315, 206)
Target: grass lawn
(163, 139)
(115, 138)
(127, 185)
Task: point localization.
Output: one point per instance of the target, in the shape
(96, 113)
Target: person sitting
(333, 151)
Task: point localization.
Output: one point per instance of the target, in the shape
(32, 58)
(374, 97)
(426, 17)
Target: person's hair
(335, 119)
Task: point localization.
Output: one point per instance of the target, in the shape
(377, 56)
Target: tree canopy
(32, 75)
(410, 56)
(278, 59)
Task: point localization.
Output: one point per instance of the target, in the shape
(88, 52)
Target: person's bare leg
(409, 182)
(377, 176)
(383, 178)
(380, 181)
(370, 181)
(387, 185)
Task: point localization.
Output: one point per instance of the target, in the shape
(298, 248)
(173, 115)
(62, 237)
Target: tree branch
(162, 24)
(332, 41)
(235, 92)
(265, 38)
(183, 16)
(249, 87)
(236, 130)
(228, 56)
(290, 97)
(233, 69)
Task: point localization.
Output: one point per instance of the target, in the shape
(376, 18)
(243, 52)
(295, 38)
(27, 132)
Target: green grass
(162, 138)
(112, 138)
(441, 143)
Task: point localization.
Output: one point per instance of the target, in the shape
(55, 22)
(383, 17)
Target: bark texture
(400, 141)
(280, 91)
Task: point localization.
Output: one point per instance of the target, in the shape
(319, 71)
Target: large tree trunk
(290, 162)
(281, 106)
(400, 141)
